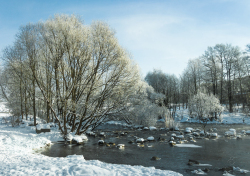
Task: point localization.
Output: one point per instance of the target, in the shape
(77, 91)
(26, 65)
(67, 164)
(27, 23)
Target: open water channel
(218, 152)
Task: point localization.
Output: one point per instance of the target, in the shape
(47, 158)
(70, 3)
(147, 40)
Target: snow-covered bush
(170, 122)
(146, 110)
(204, 107)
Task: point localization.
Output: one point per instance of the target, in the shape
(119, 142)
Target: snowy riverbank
(182, 115)
(19, 155)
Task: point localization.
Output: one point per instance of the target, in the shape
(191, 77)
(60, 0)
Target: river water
(218, 152)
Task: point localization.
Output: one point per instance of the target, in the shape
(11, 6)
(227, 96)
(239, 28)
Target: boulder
(102, 134)
(196, 134)
(230, 133)
(152, 128)
(213, 134)
(77, 140)
(180, 137)
(172, 143)
(173, 135)
(228, 168)
(139, 140)
(121, 146)
(155, 158)
(101, 142)
(145, 128)
(189, 130)
(193, 161)
(151, 138)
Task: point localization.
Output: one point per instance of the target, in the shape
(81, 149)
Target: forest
(79, 76)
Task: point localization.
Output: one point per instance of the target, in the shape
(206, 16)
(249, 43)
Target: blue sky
(159, 34)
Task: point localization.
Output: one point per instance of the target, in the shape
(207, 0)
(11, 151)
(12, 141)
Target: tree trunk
(34, 101)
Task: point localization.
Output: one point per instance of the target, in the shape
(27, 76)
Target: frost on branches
(75, 74)
(204, 107)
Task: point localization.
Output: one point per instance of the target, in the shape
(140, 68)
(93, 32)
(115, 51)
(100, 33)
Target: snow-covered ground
(19, 155)
(227, 118)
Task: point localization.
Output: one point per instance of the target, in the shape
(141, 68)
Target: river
(217, 152)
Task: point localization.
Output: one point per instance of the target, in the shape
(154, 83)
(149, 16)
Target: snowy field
(227, 118)
(19, 155)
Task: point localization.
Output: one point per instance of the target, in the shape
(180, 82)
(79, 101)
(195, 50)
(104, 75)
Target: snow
(228, 118)
(161, 120)
(230, 133)
(3, 107)
(242, 171)
(199, 172)
(120, 146)
(101, 142)
(189, 130)
(188, 145)
(78, 139)
(42, 126)
(173, 135)
(180, 137)
(151, 138)
(152, 128)
(140, 140)
(202, 133)
(203, 165)
(213, 134)
(227, 174)
(19, 155)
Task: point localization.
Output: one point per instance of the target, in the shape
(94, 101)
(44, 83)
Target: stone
(102, 134)
(173, 135)
(151, 138)
(228, 168)
(180, 137)
(101, 142)
(152, 128)
(206, 170)
(193, 161)
(140, 140)
(213, 134)
(121, 146)
(155, 158)
(172, 143)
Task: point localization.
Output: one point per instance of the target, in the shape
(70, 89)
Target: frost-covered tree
(146, 109)
(79, 74)
(204, 107)
(167, 85)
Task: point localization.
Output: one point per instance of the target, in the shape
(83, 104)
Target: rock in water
(172, 143)
(140, 140)
(120, 146)
(155, 158)
(193, 161)
(213, 134)
(101, 142)
(152, 128)
(151, 138)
